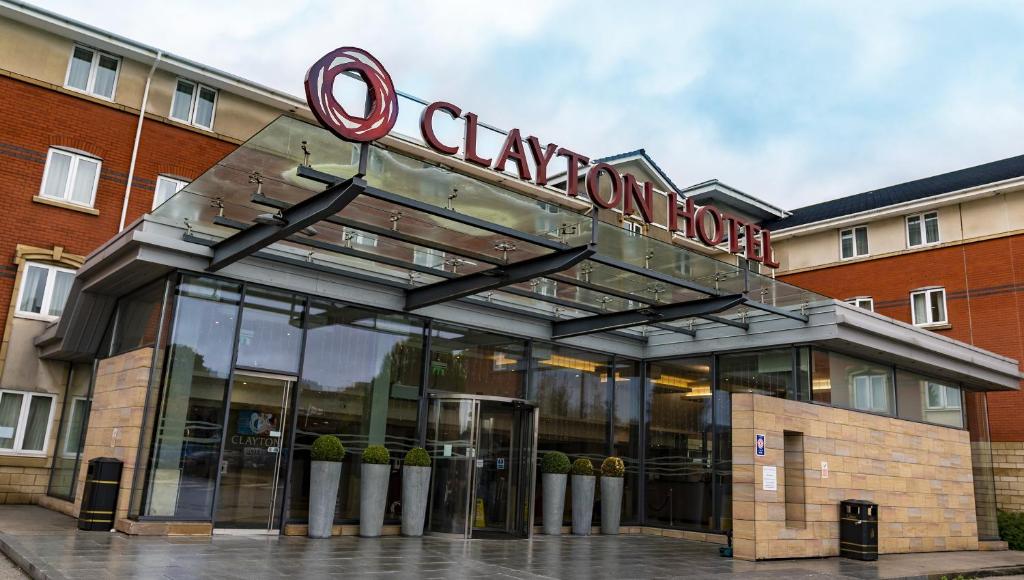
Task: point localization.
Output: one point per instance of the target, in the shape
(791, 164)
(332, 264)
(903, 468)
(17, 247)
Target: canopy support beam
(647, 315)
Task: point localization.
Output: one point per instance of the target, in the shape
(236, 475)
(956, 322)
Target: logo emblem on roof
(382, 100)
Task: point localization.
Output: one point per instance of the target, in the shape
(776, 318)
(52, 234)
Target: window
(865, 302)
(429, 258)
(165, 188)
(24, 421)
(634, 228)
(44, 290)
(853, 242)
(194, 103)
(942, 397)
(922, 229)
(356, 237)
(870, 393)
(928, 306)
(70, 177)
(93, 72)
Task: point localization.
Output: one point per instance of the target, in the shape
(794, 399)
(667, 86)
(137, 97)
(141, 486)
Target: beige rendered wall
(919, 475)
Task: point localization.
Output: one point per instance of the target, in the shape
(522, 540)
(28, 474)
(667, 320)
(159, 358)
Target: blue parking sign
(759, 444)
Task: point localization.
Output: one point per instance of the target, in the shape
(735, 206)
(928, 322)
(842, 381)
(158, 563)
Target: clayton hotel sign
(705, 224)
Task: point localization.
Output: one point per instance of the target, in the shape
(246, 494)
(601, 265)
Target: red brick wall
(984, 284)
(32, 119)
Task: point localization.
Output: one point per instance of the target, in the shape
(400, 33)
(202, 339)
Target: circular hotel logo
(382, 99)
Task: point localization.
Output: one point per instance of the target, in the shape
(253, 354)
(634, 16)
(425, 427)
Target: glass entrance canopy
(442, 235)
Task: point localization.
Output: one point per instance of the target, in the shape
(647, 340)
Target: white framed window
(25, 421)
(871, 393)
(429, 258)
(165, 188)
(93, 72)
(922, 229)
(194, 103)
(853, 242)
(359, 238)
(72, 444)
(928, 306)
(70, 177)
(941, 397)
(634, 228)
(44, 290)
(865, 302)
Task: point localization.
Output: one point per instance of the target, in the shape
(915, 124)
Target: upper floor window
(853, 242)
(941, 396)
(928, 306)
(871, 393)
(194, 103)
(165, 188)
(922, 229)
(634, 228)
(865, 302)
(44, 290)
(25, 421)
(70, 177)
(93, 72)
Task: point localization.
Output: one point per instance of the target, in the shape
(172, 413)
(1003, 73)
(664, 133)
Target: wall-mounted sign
(501, 463)
(759, 444)
(769, 478)
(824, 469)
(532, 159)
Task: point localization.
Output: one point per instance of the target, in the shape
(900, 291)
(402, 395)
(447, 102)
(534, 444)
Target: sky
(793, 102)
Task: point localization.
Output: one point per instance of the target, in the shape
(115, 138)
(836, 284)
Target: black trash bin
(99, 499)
(858, 529)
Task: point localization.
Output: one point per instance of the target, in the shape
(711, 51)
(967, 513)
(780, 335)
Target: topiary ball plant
(613, 467)
(554, 462)
(327, 448)
(376, 455)
(417, 457)
(582, 466)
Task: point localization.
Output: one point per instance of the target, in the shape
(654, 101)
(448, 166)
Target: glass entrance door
(253, 459)
(483, 451)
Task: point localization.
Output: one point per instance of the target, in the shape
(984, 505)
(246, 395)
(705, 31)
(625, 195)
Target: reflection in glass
(71, 433)
(680, 443)
(768, 372)
(976, 405)
(183, 469)
(271, 332)
(471, 361)
(360, 381)
(628, 417)
(138, 318)
(853, 383)
(925, 399)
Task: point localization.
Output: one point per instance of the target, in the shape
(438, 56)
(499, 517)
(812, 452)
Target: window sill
(65, 205)
(935, 326)
(22, 459)
(34, 316)
(190, 124)
(88, 94)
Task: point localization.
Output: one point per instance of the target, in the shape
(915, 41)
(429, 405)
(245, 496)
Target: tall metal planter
(415, 491)
(611, 504)
(324, 477)
(554, 502)
(582, 504)
(373, 495)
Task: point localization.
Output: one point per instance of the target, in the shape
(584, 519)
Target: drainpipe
(135, 146)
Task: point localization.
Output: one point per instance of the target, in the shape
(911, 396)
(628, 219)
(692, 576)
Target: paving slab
(48, 545)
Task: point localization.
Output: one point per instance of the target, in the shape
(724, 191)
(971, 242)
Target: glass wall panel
(573, 394)
(923, 399)
(360, 381)
(853, 383)
(680, 443)
(628, 418)
(138, 318)
(271, 333)
(767, 372)
(981, 461)
(183, 467)
(71, 434)
(476, 362)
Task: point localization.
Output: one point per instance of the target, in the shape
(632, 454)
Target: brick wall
(919, 475)
(23, 484)
(984, 282)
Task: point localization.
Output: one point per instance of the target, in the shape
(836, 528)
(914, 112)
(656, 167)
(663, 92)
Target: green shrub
(554, 462)
(582, 466)
(1011, 529)
(376, 455)
(327, 448)
(613, 467)
(417, 457)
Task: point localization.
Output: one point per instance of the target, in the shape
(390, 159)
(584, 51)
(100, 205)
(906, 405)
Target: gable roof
(642, 154)
(984, 174)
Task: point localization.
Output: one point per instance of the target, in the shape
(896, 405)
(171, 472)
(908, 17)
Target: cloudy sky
(795, 102)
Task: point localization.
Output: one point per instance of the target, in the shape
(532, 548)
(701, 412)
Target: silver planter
(373, 495)
(554, 502)
(582, 504)
(324, 477)
(415, 488)
(611, 504)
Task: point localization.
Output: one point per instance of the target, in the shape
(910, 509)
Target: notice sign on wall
(824, 469)
(759, 444)
(769, 478)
